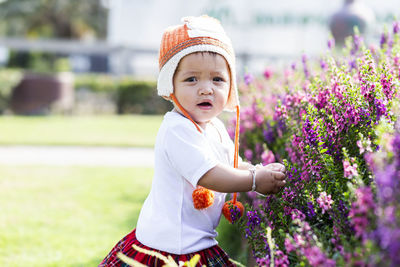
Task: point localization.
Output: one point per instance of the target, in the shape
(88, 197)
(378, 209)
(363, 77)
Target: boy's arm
(244, 165)
(223, 178)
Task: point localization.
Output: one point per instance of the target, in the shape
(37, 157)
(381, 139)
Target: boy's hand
(270, 179)
(277, 167)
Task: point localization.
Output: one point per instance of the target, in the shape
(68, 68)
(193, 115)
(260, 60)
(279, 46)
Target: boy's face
(201, 85)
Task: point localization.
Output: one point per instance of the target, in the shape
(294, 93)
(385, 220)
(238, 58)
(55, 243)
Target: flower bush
(328, 121)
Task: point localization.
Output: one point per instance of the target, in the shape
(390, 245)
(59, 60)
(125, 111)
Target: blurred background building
(122, 36)
(262, 31)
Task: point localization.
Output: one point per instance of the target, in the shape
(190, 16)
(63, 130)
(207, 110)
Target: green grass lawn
(111, 130)
(73, 216)
(67, 216)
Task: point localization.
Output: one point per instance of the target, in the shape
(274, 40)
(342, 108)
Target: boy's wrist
(252, 170)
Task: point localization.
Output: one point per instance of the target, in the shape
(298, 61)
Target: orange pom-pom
(228, 206)
(202, 198)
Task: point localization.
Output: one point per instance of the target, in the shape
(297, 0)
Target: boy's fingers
(281, 167)
(279, 175)
(276, 167)
(281, 183)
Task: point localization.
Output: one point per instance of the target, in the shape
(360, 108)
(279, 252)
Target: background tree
(70, 19)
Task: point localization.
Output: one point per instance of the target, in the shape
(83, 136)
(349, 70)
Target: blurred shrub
(8, 79)
(130, 95)
(96, 83)
(140, 97)
(38, 62)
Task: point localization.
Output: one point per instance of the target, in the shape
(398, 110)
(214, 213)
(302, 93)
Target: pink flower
(360, 209)
(299, 240)
(360, 146)
(366, 146)
(281, 260)
(259, 119)
(268, 73)
(289, 246)
(267, 157)
(350, 171)
(325, 201)
(316, 257)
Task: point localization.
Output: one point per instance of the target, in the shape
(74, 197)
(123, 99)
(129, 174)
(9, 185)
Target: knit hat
(197, 34)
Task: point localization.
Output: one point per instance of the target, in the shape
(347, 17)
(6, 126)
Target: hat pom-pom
(202, 198)
(232, 210)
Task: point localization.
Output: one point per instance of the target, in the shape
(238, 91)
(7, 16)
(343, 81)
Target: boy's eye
(218, 79)
(191, 79)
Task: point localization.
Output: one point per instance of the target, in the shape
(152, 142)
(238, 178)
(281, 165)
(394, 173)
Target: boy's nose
(205, 89)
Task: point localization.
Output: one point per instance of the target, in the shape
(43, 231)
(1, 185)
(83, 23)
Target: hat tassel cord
(234, 204)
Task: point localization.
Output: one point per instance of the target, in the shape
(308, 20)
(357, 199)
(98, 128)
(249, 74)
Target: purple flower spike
(331, 43)
(396, 27)
(248, 78)
(323, 64)
(384, 39)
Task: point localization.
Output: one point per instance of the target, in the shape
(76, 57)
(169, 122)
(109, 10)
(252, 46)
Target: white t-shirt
(168, 221)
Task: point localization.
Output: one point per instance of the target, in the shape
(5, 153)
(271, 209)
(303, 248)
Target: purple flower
(316, 257)
(304, 59)
(396, 146)
(281, 259)
(380, 108)
(357, 41)
(323, 64)
(248, 153)
(289, 246)
(248, 78)
(310, 210)
(331, 43)
(396, 27)
(310, 132)
(235, 213)
(263, 262)
(352, 64)
(253, 220)
(384, 39)
(269, 135)
(360, 210)
(387, 86)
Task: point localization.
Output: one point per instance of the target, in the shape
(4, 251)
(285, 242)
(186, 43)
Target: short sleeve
(189, 152)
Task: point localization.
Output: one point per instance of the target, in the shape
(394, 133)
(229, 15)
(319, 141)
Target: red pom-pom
(228, 206)
(202, 198)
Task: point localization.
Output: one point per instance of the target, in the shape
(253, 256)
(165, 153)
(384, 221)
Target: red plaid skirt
(212, 257)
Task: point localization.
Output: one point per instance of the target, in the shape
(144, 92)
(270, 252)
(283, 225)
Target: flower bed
(332, 123)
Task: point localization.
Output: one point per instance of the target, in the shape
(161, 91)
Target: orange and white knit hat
(197, 34)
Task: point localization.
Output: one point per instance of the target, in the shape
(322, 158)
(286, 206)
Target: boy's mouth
(205, 104)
